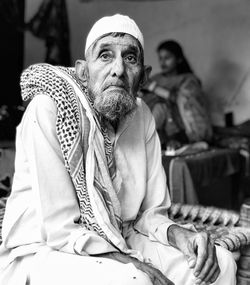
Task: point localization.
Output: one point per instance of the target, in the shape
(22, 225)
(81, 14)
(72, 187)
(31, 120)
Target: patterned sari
(184, 116)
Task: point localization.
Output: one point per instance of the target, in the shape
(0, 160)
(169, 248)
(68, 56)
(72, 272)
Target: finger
(213, 274)
(216, 275)
(215, 270)
(209, 264)
(201, 243)
(191, 261)
(190, 254)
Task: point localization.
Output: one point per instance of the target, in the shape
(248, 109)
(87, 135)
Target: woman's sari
(184, 116)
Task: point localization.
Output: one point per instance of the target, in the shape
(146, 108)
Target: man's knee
(129, 274)
(62, 268)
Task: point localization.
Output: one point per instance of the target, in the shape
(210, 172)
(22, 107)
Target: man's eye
(131, 59)
(105, 56)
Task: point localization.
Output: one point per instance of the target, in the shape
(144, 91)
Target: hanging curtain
(51, 24)
(11, 11)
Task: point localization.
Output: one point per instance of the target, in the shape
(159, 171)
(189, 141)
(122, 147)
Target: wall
(215, 35)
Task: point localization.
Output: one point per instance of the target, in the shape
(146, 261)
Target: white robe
(41, 239)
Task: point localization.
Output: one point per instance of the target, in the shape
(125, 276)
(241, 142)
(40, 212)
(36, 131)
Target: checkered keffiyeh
(73, 127)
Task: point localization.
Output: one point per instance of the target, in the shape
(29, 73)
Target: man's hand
(155, 275)
(199, 251)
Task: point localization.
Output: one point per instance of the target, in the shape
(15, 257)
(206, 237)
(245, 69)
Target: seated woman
(176, 99)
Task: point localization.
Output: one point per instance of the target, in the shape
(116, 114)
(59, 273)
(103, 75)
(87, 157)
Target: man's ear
(145, 75)
(80, 67)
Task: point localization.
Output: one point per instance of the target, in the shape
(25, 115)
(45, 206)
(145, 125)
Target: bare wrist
(152, 86)
(162, 92)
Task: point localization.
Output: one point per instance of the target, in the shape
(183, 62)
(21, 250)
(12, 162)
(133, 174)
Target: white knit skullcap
(113, 24)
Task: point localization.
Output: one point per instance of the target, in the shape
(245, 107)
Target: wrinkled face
(167, 61)
(114, 71)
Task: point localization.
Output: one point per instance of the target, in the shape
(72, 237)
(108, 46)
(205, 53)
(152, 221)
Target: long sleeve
(154, 220)
(54, 194)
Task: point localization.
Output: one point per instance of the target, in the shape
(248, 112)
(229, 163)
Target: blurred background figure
(176, 99)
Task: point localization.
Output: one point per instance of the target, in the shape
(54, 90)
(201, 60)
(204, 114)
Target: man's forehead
(125, 41)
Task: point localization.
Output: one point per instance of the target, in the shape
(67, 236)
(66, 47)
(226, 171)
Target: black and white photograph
(125, 142)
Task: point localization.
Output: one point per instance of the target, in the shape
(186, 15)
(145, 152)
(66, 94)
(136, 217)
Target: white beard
(113, 105)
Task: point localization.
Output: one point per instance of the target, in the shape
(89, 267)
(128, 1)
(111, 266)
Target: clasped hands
(200, 252)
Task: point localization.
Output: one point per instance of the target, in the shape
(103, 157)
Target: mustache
(117, 83)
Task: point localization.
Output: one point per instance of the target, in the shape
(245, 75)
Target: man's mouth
(115, 87)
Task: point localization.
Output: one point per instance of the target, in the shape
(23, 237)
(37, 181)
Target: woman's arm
(158, 90)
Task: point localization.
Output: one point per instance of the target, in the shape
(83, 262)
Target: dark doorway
(11, 50)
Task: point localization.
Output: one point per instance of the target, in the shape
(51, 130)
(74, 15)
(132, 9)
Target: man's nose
(118, 67)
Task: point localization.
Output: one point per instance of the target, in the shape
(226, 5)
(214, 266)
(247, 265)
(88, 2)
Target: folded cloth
(181, 183)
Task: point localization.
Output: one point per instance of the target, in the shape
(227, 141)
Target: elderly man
(89, 200)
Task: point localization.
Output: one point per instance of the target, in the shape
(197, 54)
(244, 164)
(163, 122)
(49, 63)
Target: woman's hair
(172, 46)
